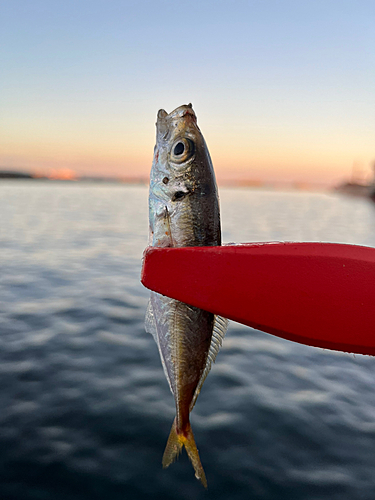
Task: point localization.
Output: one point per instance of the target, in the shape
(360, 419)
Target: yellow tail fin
(174, 446)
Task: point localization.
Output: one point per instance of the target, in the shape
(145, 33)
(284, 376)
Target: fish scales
(183, 211)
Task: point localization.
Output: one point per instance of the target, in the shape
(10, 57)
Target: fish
(183, 211)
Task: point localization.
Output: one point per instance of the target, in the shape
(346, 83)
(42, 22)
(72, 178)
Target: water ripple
(85, 407)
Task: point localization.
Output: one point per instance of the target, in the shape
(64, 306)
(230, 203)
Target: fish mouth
(180, 112)
(176, 121)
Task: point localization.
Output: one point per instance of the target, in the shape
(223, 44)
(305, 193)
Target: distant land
(352, 188)
(68, 175)
(14, 175)
(72, 176)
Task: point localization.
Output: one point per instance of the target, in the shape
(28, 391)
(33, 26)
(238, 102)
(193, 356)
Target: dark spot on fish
(179, 195)
(165, 180)
(179, 149)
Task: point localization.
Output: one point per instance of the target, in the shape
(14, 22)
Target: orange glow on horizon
(62, 174)
(261, 158)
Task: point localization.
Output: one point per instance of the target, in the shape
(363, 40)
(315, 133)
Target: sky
(284, 90)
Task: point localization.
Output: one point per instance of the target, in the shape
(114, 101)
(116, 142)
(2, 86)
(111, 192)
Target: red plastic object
(319, 294)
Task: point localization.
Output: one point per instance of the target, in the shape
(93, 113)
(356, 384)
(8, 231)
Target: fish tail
(175, 443)
(173, 448)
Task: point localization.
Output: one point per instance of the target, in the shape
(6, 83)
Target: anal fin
(218, 334)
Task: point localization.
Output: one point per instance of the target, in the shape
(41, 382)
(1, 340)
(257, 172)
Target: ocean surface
(85, 410)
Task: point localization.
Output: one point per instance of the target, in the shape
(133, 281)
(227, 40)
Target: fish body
(183, 211)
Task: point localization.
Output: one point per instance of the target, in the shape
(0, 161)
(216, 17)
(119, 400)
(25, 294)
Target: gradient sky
(283, 90)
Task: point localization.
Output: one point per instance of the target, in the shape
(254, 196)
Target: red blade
(319, 294)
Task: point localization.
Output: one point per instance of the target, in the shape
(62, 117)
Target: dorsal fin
(150, 327)
(218, 334)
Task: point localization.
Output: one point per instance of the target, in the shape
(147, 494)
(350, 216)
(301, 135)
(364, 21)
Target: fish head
(182, 183)
(178, 138)
(181, 153)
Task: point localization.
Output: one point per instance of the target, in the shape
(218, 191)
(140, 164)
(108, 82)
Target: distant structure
(356, 187)
(372, 185)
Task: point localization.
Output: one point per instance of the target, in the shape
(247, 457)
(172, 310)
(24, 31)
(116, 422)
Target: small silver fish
(183, 211)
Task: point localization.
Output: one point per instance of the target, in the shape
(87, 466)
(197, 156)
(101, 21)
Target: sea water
(85, 410)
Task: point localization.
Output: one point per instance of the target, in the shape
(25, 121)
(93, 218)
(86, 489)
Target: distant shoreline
(120, 180)
(144, 181)
(15, 175)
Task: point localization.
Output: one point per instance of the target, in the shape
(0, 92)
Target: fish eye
(182, 150)
(178, 149)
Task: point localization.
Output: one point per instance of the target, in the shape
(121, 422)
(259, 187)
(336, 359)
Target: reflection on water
(85, 408)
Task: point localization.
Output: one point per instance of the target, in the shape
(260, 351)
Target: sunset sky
(283, 90)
